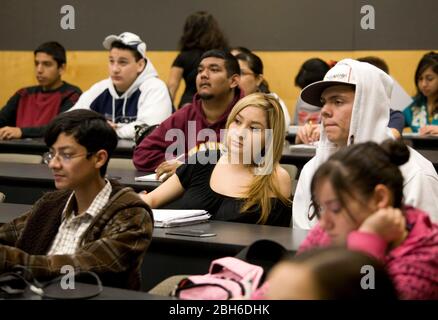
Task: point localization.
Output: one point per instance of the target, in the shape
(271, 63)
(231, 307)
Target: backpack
(142, 131)
(228, 278)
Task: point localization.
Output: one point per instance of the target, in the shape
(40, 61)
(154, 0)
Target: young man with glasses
(90, 223)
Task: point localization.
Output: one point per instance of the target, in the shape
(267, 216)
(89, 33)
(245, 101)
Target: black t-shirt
(195, 178)
(188, 61)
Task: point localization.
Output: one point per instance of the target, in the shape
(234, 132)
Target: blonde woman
(245, 182)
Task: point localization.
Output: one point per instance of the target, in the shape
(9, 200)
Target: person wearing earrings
(244, 183)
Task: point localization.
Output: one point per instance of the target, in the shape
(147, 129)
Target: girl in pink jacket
(358, 198)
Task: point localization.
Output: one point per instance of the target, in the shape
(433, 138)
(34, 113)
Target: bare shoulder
(283, 181)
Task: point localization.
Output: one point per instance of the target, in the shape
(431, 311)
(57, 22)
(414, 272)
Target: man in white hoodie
(133, 94)
(354, 98)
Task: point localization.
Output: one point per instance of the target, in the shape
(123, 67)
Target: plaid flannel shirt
(113, 245)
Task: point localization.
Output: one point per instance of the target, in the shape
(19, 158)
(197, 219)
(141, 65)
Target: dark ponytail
(397, 151)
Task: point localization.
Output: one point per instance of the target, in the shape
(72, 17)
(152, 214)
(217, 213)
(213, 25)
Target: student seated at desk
(238, 187)
(30, 109)
(133, 95)
(422, 114)
(358, 201)
(252, 79)
(309, 133)
(354, 98)
(217, 84)
(90, 223)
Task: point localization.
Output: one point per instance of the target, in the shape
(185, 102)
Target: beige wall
(87, 67)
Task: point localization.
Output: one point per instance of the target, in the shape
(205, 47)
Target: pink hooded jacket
(413, 265)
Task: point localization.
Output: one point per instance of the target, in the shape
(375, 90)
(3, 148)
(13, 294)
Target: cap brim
(109, 40)
(312, 93)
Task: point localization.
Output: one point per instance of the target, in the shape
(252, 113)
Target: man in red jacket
(217, 85)
(29, 110)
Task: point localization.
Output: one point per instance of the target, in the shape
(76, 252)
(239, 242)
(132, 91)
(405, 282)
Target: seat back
(116, 163)
(292, 170)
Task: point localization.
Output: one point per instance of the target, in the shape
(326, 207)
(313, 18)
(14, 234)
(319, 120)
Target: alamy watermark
(68, 280)
(367, 22)
(68, 19)
(368, 281)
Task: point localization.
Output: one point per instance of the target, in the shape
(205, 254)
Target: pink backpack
(227, 278)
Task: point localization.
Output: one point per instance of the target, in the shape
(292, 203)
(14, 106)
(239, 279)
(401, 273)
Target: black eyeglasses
(63, 157)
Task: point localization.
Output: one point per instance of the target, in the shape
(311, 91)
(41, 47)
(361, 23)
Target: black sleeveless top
(195, 179)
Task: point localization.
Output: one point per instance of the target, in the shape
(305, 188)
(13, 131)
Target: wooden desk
(26, 183)
(300, 157)
(171, 254)
(124, 149)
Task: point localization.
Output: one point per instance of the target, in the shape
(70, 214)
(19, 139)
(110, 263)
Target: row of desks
(171, 254)
(297, 157)
(413, 140)
(124, 149)
(25, 183)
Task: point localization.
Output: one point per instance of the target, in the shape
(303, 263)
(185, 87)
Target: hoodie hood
(369, 122)
(370, 115)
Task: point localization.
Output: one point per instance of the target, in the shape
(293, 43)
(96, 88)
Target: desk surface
(230, 234)
(300, 156)
(26, 183)
(421, 142)
(33, 173)
(125, 149)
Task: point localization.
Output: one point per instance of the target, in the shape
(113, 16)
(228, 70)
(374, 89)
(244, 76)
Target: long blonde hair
(264, 182)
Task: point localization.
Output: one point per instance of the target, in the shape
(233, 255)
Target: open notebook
(148, 177)
(165, 218)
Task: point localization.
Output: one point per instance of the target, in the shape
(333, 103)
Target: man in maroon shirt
(30, 109)
(217, 92)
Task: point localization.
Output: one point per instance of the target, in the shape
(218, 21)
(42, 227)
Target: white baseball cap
(340, 74)
(130, 39)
